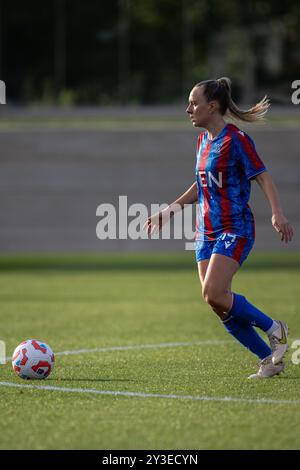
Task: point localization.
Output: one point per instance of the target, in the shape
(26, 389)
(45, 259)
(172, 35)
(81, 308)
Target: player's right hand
(154, 223)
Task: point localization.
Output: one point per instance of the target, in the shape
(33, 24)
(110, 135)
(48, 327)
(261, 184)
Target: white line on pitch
(151, 395)
(138, 346)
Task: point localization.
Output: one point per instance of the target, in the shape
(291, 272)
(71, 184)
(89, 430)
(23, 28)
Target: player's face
(199, 109)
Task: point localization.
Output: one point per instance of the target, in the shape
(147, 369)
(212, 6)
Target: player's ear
(213, 106)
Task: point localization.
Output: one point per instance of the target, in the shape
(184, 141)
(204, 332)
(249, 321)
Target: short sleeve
(247, 155)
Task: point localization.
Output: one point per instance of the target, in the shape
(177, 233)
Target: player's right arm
(156, 221)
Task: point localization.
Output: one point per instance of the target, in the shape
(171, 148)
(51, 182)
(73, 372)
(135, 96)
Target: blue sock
(241, 308)
(247, 336)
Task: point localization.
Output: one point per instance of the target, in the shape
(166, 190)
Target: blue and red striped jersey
(224, 169)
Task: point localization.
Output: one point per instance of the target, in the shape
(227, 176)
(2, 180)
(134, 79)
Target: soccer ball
(33, 359)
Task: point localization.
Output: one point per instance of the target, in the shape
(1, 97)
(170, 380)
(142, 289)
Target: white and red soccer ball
(33, 359)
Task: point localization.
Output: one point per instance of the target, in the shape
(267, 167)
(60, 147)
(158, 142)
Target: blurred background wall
(95, 108)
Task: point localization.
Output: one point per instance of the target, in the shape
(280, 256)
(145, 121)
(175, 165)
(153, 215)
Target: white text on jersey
(207, 179)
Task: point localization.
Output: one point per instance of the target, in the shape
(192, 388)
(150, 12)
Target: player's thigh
(229, 253)
(219, 274)
(203, 252)
(202, 269)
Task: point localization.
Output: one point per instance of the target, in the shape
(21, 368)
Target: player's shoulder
(234, 130)
(237, 134)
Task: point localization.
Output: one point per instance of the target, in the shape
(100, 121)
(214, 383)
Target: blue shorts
(227, 244)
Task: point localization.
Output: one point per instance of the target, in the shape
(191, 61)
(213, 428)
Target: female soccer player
(226, 163)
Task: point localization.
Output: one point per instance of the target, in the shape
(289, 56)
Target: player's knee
(212, 296)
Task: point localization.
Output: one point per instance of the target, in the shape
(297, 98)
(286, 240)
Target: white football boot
(267, 369)
(278, 342)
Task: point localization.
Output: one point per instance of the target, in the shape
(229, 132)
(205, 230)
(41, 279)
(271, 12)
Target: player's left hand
(282, 226)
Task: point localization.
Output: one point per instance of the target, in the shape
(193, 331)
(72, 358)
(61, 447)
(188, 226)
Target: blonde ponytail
(220, 90)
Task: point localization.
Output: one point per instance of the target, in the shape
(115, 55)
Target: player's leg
(202, 270)
(219, 274)
(217, 293)
(277, 331)
(238, 249)
(204, 250)
(240, 330)
(217, 282)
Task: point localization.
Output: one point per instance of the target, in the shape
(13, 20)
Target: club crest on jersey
(217, 148)
(207, 179)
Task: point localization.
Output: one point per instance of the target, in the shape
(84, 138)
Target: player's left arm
(279, 221)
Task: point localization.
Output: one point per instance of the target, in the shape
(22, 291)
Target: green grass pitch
(86, 302)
